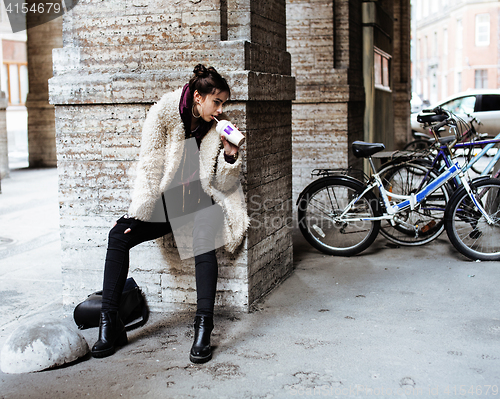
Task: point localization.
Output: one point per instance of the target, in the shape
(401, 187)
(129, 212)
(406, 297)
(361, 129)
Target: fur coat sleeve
(162, 145)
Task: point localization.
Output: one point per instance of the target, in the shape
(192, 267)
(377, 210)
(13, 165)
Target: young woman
(206, 173)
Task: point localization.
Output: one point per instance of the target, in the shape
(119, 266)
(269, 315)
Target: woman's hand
(229, 149)
(132, 224)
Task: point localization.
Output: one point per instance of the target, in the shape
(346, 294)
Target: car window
(462, 105)
(490, 102)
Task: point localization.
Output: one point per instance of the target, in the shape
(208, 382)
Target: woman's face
(210, 105)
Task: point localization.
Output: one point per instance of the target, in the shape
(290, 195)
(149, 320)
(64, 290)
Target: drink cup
(229, 131)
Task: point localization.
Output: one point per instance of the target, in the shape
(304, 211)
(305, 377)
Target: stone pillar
(4, 148)
(402, 73)
(324, 40)
(121, 56)
(41, 39)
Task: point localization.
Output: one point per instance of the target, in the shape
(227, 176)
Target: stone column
(4, 148)
(121, 56)
(324, 39)
(41, 39)
(402, 73)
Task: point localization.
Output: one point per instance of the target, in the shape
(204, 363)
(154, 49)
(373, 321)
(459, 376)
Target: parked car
(483, 104)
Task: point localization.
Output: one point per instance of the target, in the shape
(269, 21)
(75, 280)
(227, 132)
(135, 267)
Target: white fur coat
(162, 147)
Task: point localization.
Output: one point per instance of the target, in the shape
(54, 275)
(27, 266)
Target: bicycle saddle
(360, 149)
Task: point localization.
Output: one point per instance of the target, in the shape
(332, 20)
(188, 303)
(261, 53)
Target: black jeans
(117, 258)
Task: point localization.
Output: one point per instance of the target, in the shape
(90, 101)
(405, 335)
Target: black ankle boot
(111, 334)
(201, 351)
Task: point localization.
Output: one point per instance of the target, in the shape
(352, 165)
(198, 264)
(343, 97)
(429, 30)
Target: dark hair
(207, 81)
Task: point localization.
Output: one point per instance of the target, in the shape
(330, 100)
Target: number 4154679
(478, 390)
(39, 8)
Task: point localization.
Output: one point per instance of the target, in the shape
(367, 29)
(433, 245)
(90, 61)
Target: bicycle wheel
(467, 228)
(418, 144)
(319, 207)
(426, 221)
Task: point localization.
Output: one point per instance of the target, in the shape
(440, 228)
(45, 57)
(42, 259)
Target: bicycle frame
(489, 145)
(444, 154)
(410, 201)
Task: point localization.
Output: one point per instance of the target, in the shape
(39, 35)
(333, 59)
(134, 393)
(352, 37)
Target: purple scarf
(185, 109)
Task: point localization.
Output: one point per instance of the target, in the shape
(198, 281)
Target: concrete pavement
(391, 322)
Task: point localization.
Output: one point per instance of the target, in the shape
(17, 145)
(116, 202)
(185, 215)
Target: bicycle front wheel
(319, 210)
(467, 228)
(417, 145)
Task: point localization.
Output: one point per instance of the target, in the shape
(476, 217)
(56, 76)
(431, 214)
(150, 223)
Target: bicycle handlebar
(436, 110)
(439, 125)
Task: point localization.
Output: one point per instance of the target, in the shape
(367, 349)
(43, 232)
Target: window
(459, 82)
(15, 82)
(444, 86)
(435, 45)
(490, 102)
(426, 8)
(381, 69)
(445, 41)
(435, 6)
(481, 78)
(482, 29)
(14, 71)
(460, 33)
(462, 105)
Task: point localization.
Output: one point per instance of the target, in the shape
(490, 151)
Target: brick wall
(324, 41)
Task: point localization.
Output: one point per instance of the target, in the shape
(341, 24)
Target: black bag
(132, 307)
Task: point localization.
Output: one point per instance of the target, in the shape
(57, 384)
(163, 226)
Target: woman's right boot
(201, 352)
(111, 335)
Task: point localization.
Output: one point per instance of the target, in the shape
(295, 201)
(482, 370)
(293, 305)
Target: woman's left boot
(201, 351)
(111, 334)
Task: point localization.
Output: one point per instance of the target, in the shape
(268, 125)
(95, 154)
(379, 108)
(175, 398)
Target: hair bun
(207, 81)
(200, 71)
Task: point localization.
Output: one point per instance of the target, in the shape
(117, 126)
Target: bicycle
(410, 175)
(427, 142)
(341, 215)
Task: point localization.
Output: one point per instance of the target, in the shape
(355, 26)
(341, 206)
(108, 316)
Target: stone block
(42, 345)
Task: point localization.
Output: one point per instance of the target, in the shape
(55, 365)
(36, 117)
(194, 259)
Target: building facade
(456, 47)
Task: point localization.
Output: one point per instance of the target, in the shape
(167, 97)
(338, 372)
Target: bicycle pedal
(428, 226)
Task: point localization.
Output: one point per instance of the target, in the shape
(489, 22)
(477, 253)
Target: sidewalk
(392, 322)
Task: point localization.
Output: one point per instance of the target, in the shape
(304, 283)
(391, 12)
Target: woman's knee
(117, 236)
(203, 239)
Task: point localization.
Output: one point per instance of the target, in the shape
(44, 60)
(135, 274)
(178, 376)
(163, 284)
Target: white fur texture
(162, 146)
